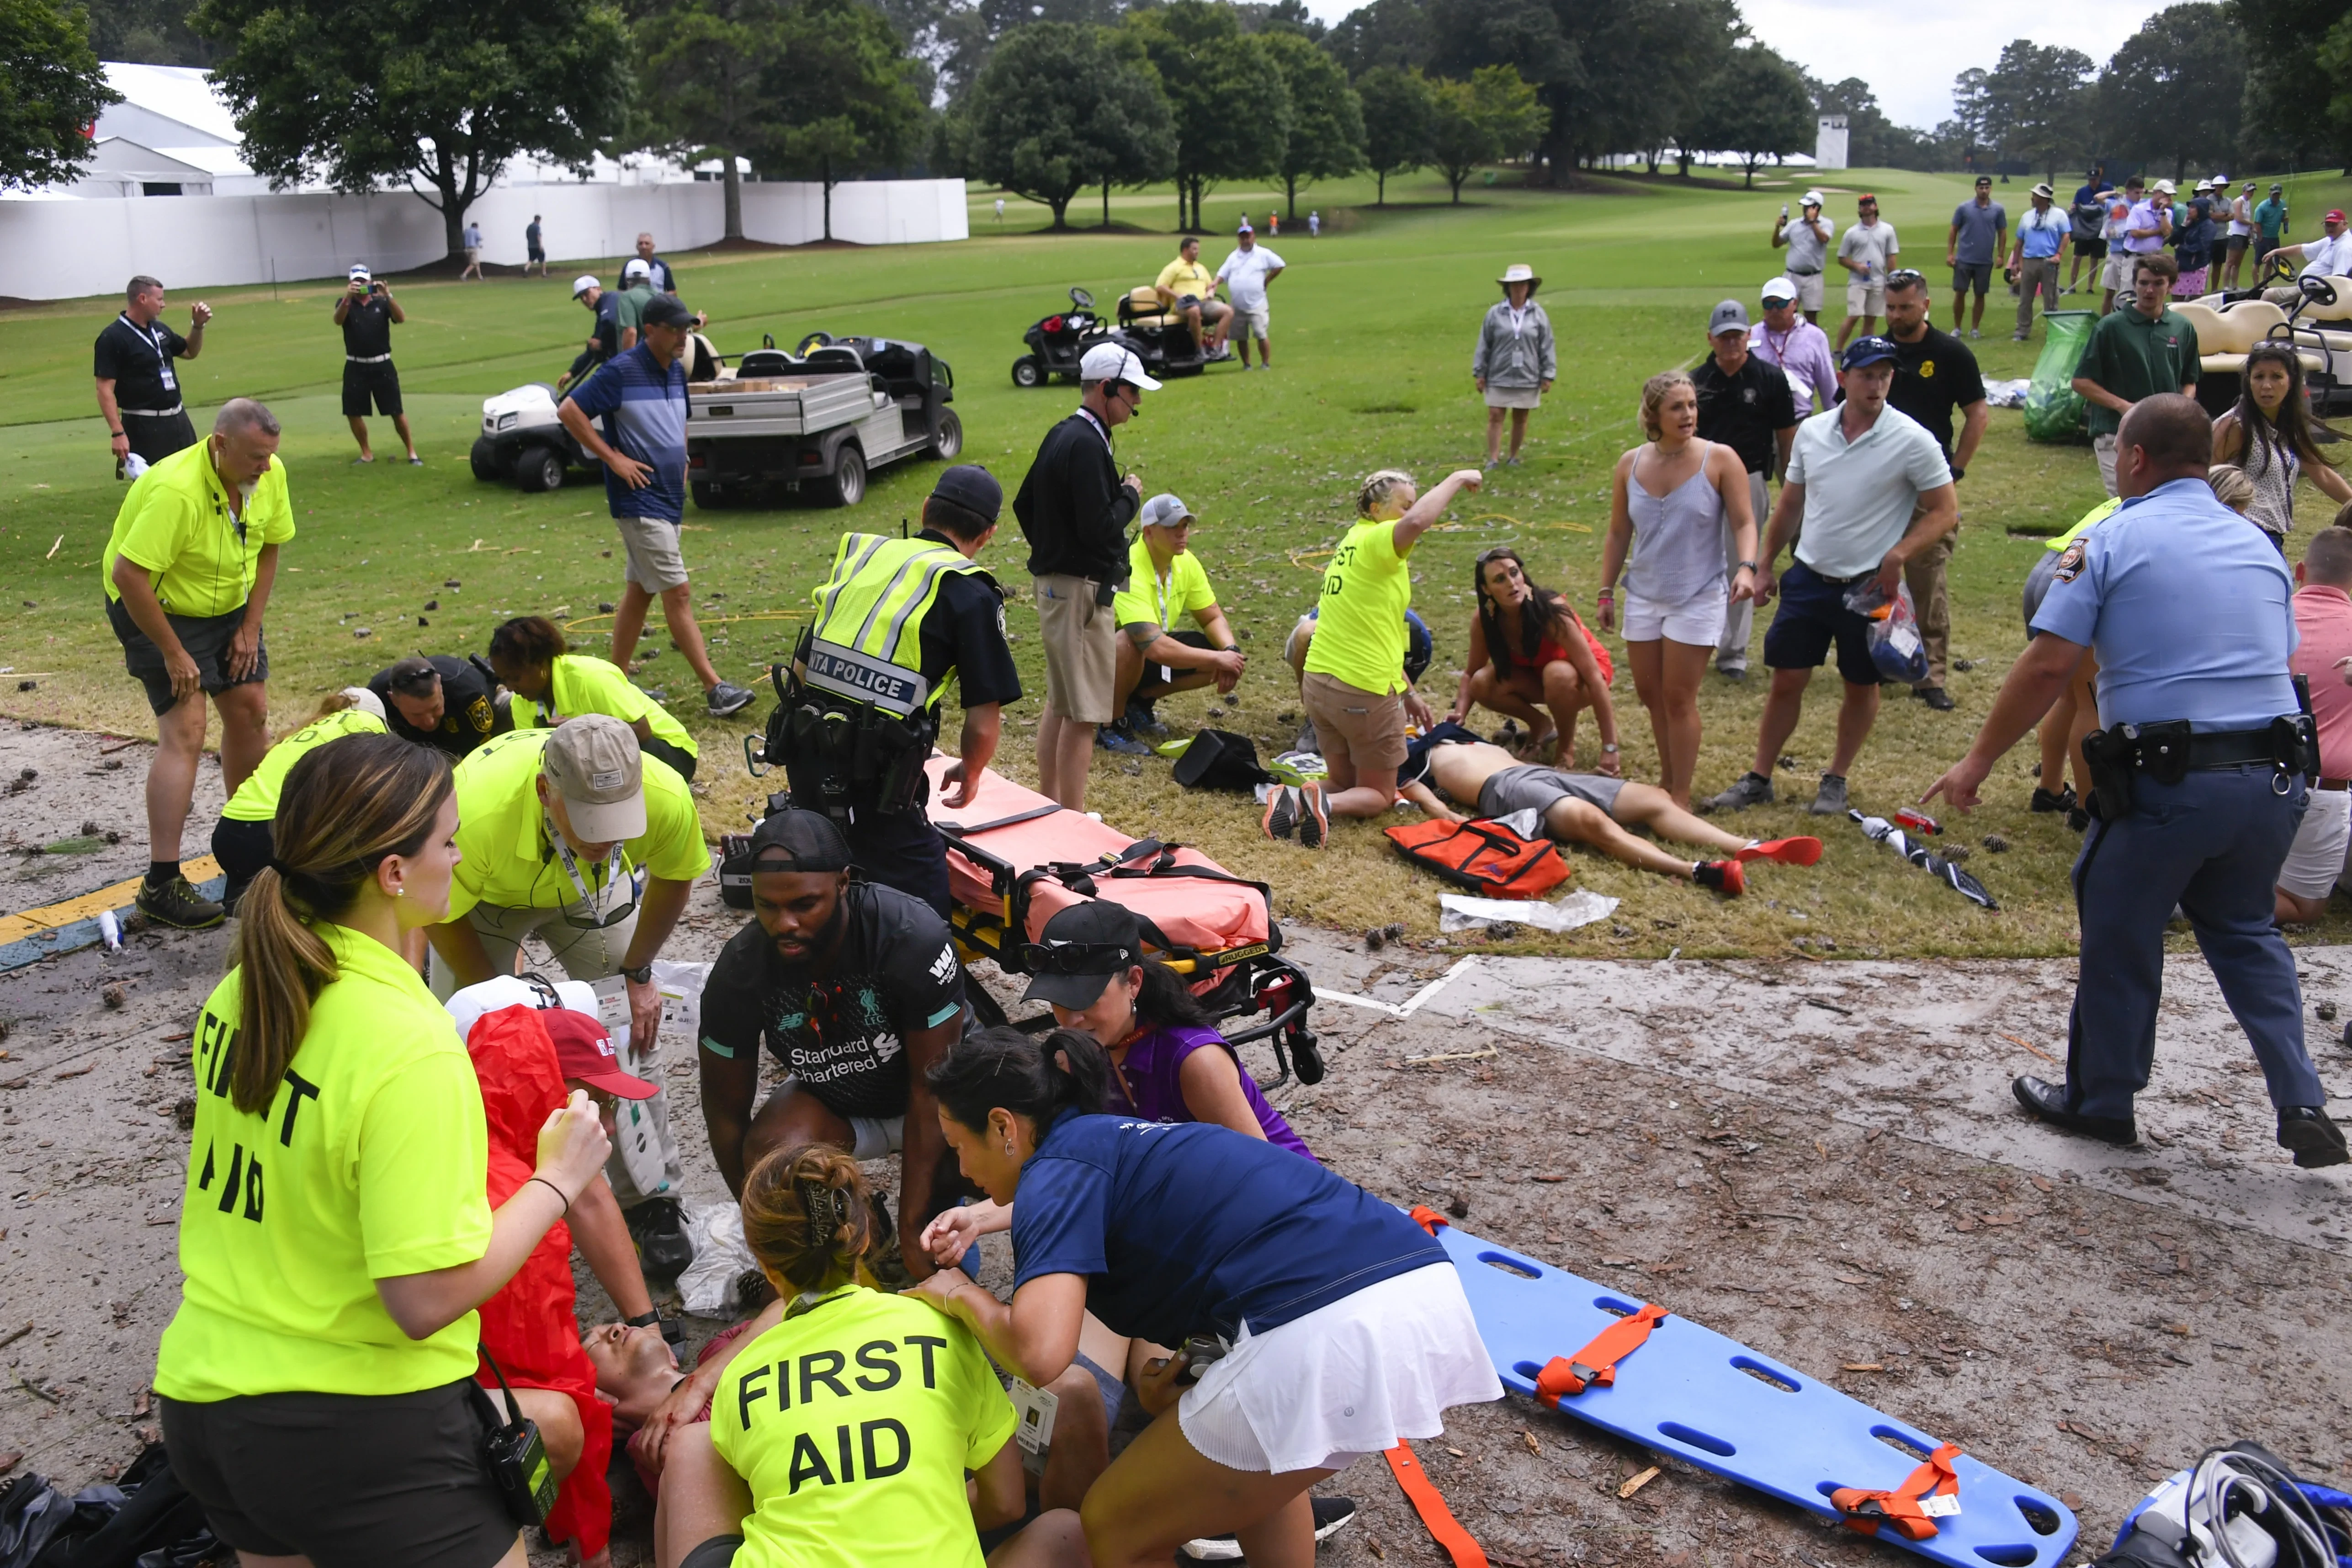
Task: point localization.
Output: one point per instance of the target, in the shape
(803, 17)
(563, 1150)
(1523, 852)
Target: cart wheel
(539, 468)
(948, 442)
(1028, 371)
(708, 496)
(847, 485)
(1305, 1060)
(486, 460)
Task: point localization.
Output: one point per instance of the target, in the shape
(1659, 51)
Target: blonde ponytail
(808, 1214)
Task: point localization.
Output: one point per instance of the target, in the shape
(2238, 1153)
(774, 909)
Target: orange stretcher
(1016, 859)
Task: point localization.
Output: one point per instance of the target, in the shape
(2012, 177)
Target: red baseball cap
(584, 1051)
(2333, 215)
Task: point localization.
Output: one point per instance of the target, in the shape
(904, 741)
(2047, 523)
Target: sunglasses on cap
(1905, 277)
(1078, 957)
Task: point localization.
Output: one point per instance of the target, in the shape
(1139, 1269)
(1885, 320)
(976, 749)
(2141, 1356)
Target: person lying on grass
(1583, 808)
(1529, 653)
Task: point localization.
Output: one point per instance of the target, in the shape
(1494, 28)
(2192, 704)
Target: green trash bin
(2054, 409)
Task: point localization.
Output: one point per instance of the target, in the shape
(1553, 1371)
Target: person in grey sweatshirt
(1515, 364)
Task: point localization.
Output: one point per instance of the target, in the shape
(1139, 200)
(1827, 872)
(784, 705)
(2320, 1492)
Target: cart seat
(1141, 306)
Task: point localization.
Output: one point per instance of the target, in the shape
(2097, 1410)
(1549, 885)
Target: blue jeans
(2213, 844)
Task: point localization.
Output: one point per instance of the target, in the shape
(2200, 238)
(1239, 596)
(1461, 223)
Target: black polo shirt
(469, 711)
(367, 328)
(1932, 377)
(138, 360)
(963, 634)
(1072, 508)
(1746, 411)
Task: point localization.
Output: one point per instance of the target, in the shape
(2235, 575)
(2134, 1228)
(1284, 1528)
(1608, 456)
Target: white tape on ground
(1411, 1004)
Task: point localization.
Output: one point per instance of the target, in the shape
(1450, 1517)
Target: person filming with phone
(367, 312)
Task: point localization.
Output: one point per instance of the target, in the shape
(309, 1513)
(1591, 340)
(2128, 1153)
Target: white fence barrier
(58, 249)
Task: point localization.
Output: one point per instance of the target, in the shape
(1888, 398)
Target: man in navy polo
(639, 397)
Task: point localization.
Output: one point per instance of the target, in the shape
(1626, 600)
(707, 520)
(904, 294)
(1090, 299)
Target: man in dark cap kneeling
(855, 988)
(896, 619)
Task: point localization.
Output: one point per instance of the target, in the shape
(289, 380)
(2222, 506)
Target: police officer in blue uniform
(2201, 776)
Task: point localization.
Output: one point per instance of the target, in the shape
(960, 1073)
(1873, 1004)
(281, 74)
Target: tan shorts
(1081, 649)
(1866, 299)
(651, 546)
(1355, 727)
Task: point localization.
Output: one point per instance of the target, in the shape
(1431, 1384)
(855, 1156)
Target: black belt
(2212, 750)
(1801, 272)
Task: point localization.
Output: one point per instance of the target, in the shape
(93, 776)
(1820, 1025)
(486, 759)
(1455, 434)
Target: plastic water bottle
(110, 930)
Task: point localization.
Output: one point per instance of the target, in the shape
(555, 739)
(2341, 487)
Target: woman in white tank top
(1668, 503)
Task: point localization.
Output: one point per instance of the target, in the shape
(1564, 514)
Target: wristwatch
(1749, 564)
(643, 974)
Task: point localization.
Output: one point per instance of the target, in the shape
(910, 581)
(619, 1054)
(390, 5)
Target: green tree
(437, 92)
(150, 32)
(1757, 107)
(1056, 111)
(1477, 122)
(51, 92)
(2037, 104)
(1394, 32)
(1327, 118)
(2172, 93)
(704, 84)
(1232, 107)
(2298, 107)
(847, 97)
(1397, 115)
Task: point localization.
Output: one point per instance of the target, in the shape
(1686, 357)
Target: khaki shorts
(1866, 299)
(651, 546)
(2104, 448)
(1355, 727)
(1256, 320)
(1809, 289)
(2117, 273)
(1081, 649)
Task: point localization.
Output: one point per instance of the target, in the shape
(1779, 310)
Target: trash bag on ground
(1895, 645)
(720, 1257)
(2054, 409)
(146, 1518)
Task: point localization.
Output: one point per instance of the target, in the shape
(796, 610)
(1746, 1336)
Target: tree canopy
(1327, 118)
(1057, 111)
(1757, 108)
(2171, 93)
(1477, 122)
(1397, 123)
(847, 96)
(705, 87)
(1231, 105)
(51, 92)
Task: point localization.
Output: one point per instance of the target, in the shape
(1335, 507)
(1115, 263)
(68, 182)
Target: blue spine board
(1713, 1402)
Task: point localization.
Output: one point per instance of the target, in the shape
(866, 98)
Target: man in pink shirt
(2322, 618)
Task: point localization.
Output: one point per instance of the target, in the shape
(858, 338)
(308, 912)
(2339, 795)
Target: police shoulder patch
(481, 715)
(2070, 564)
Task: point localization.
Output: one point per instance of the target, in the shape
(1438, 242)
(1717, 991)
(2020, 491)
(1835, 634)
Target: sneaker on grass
(1753, 789)
(1281, 818)
(178, 904)
(727, 698)
(1830, 799)
(1314, 820)
(1114, 738)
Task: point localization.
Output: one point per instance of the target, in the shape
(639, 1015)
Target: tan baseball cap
(593, 763)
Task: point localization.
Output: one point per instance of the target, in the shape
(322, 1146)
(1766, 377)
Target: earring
(400, 892)
(1008, 1145)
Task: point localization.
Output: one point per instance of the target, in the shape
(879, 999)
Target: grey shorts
(2037, 584)
(1535, 785)
(207, 640)
(654, 562)
(1968, 275)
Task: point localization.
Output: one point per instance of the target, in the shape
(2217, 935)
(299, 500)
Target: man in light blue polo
(640, 395)
(1873, 492)
(2201, 781)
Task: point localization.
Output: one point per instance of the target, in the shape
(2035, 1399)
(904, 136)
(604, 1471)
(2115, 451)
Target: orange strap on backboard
(1597, 1361)
(1422, 1492)
(1865, 1511)
(1429, 1219)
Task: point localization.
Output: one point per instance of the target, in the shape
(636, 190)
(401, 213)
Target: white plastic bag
(1460, 911)
(720, 1257)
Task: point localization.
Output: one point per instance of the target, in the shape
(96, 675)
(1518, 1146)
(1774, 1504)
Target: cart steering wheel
(1082, 300)
(813, 341)
(2317, 290)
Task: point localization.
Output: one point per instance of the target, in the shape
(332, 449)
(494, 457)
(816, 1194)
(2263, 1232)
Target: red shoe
(1723, 876)
(1788, 852)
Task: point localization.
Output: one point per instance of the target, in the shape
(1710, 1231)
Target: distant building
(1829, 142)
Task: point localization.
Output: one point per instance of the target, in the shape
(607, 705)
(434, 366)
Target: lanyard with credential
(163, 360)
(596, 901)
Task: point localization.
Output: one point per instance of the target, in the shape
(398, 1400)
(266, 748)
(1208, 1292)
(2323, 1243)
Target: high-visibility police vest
(866, 644)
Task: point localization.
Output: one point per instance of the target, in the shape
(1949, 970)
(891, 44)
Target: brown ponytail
(345, 806)
(808, 1214)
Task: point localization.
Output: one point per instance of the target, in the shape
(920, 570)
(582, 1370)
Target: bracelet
(551, 1187)
(1609, 592)
(111, 434)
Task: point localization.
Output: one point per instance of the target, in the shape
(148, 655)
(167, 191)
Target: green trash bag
(2054, 409)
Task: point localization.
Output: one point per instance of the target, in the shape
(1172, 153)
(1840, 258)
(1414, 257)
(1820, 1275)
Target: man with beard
(855, 988)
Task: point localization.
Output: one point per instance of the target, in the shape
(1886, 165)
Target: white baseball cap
(581, 284)
(360, 273)
(636, 269)
(1115, 362)
(1811, 199)
(1777, 288)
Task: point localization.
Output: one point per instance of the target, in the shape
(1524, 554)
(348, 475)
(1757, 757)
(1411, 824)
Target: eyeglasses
(1077, 957)
(1905, 277)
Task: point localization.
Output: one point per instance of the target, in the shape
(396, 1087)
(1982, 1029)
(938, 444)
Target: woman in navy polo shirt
(1346, 1324)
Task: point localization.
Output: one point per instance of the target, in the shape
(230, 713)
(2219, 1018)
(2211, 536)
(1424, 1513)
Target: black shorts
(1168, 674)
(715, 1553)
(156, 436)
(243, 849)
(347, 1481)
(2240, 242)
(379, 381)
(1811, 617)
(1971, 274)
(207, 639)
(681, 763)
(536, 254)
(2090, 250)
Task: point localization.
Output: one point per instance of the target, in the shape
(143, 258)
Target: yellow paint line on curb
(52, 917)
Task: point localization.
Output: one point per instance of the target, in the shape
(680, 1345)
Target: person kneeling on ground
(439, 700)
(1583, 808)
(865, 1469)
(532, 660)
(1165, 579)
(2322, 619)
(241, 839)
(855, 990)
(1529, 647)
(1420, 649)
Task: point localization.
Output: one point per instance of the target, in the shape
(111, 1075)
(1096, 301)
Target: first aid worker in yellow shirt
(573, 835)
(317, 1378)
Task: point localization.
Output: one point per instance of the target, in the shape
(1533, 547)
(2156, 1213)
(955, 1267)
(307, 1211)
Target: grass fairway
(1373, 328)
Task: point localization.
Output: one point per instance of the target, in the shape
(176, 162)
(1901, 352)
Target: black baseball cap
(665, 311)
(799, 841)
(1083, 947)
(412, 677)
(1870, 349)
(972, 488)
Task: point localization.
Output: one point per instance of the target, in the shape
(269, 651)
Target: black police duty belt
(2162, 747)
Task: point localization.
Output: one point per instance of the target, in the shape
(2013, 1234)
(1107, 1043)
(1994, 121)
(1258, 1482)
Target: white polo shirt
(2324, 257)
(1860, 495)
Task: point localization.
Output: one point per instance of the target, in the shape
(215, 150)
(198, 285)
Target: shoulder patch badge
(481, 715)
(2070, 564)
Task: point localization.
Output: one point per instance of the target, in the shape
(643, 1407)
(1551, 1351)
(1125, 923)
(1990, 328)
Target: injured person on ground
(1451, 763)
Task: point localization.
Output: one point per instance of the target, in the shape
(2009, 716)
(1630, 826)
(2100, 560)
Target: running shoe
(2044, 801)
(1113, 737)
(1142, 719)
(1753, 789)
(1332, 1514)
(1724, 877)
(178, 904)
(1281, 818)
(658, 1227)
(727, 698)
(1787, 851)
(1830, 800)
(1313, 821)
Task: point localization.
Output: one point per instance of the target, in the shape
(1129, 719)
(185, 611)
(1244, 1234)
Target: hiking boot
(2044, 802)
(1753, 789)
(1113, 737)
(727, 698)
(664, 1249)
(1935, 697)
(2047, 1103)
(1830, 799)
(1281, 818)
(177, 903)
(1723, 877)
(2315, 1141)
(1332, 1514)
(1313, 821)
